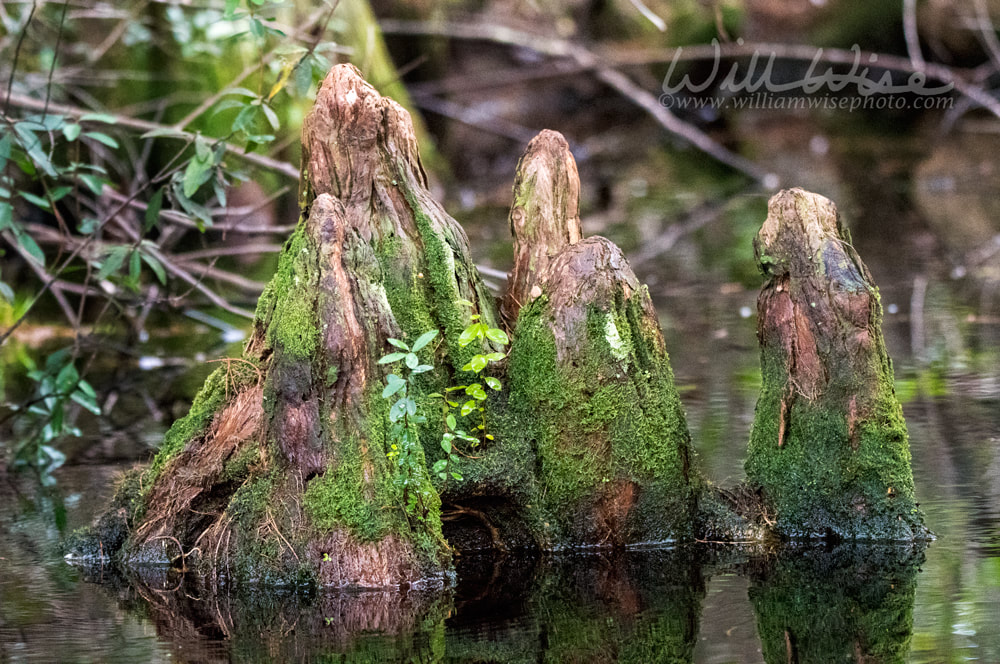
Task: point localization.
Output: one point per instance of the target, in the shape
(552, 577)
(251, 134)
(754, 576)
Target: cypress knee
(281, 472)
(589, 374)
(828, 451)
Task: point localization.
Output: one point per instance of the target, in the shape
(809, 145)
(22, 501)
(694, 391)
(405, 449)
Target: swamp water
(695, 603)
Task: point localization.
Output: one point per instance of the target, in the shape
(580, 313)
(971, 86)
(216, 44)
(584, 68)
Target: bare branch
(606, 73)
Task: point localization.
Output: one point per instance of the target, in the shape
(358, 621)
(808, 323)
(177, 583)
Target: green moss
(372, 508)
(209, 400)
(612, 413)
(288, 305)
(818, 482)
(405, 290)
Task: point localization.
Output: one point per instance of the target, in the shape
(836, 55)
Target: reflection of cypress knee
(850, 604)
(829, 449)
(589, 374)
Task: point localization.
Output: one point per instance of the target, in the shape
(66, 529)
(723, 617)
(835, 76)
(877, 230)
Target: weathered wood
(829, 449)
(544, 218)
(589, 374)
(280, 472)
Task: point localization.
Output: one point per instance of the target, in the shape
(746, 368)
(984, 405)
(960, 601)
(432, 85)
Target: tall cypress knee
(829, 450)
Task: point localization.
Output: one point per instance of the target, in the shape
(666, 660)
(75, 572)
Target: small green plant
(405, 418)
(46, 417)
(475, 402)
(457, 401)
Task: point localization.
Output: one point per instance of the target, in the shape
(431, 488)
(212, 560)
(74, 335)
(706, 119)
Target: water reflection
(845, 603)
(853, 603)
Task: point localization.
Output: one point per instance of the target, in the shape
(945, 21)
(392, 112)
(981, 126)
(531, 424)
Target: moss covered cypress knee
(829, 450)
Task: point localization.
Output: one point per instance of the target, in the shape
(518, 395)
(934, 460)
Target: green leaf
(134, 267)
(86, 388)
(227, 104)
(450, 421)
(99, 117)
(28, 244)
(493, 383)
(391, 357)
(113, 262)
(412, 361)
(156, 266)
(397, 411)
(456, 475)
(88, 225)
(59, 193)
(495, 357)
(397, 343)
(153, 210)
(198, 169)
(36, 200)
(446, 442)
(271, 116)
(479, 394)
(499, 336)
(468, 335)
(68, 378)
(71, 131)
(394, 384)
(102, 138)
(33, 148)
(87, 401)
(411, 406)
(94, 183)
(468, 407)
(439, 465)
(478, 363)
(423, 368)
(465, 303)
(424, 339)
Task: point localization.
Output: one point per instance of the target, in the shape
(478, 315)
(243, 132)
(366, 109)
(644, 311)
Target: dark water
(687, 232)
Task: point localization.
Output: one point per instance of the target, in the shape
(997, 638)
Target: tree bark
(280, 472)
(544, 218)
(828, 451)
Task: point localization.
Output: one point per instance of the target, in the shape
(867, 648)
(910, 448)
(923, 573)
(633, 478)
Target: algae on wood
(828, 451)
(590, 379)
(280, 471)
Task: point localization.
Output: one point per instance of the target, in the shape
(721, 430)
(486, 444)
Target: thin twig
(911, 34)
(987, 32)
(606, 73)
(263, 161)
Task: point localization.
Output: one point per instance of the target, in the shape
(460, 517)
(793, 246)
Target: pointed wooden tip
(354, 134)
(545, 215)
(801, 227)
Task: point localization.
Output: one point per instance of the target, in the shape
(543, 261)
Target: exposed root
(196, 471)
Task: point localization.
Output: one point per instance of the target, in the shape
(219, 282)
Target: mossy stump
(590, 379)
(280, 474)
(828, 452)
